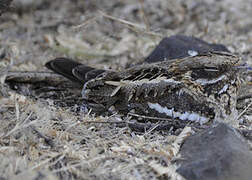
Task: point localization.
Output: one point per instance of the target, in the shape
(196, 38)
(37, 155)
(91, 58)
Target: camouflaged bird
(198, 88)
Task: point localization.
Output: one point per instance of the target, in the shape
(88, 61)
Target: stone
(219, 152)
(180, 46)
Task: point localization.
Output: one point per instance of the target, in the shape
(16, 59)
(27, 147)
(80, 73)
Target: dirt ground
(41, 141)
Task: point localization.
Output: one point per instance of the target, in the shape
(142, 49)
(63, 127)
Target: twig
(105, 122)
(26, 76)
(152, 129)
(149, 117)
(146, 22)
(250, 104)
(47, 140)
(21, 125)
(83, 25)
(134, 27)
(80, 52)
(143, 127)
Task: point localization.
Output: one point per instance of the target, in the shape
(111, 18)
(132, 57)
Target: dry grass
(39, 140)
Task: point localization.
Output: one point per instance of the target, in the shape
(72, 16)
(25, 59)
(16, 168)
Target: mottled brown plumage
(199, 88)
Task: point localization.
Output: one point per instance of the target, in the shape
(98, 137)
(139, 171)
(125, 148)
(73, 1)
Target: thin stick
(106, 122)
(146, 22)
(152, 129)
(26, 76)
(83, 25)
(250, 104)
(134, 27)
(149, 117)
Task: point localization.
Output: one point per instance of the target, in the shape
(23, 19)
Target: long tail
(72, 70)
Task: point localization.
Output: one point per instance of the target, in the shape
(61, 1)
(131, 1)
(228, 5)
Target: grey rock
(180, 46)
(219, 152)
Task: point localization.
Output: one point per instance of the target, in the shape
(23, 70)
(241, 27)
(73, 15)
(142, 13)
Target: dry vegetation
(41, 141)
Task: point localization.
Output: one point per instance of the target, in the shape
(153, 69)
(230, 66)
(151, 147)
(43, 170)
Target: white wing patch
(157, 80)
(173, 114)
(212, 81)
